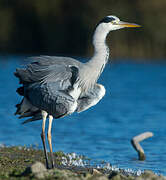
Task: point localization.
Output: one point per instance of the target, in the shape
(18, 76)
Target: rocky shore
(28, 163)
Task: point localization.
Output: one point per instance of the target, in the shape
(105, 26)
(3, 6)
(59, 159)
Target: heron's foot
(53, 166)
(47, 165)
(46, 160)
(52, 161)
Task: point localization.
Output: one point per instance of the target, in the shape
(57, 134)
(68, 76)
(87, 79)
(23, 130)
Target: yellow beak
(126, 24)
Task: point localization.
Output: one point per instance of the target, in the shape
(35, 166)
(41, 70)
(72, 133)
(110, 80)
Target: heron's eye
(114, 22)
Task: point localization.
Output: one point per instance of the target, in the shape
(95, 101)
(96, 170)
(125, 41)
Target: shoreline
(19, 162)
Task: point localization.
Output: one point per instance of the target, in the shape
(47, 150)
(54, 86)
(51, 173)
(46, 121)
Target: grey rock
(38, 170)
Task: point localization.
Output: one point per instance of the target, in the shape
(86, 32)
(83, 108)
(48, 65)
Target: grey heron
(54, 86)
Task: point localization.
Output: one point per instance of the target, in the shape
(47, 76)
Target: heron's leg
(44, 116)
(50, 139)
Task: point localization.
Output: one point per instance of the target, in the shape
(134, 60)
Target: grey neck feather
(90, 73)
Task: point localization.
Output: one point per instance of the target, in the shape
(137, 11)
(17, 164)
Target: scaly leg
(44, 116)
(50, 140)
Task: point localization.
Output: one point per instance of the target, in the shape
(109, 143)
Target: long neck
(92, 69)
(101, 50)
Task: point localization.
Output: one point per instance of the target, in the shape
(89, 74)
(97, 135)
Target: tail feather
(36, 117)
(26, 109)
(18, 106)
(20, 91)
(29, 114)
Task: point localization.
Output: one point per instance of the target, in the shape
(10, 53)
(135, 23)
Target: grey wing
(50, 98)
(48, 69)
(50, 60)
(45, 81)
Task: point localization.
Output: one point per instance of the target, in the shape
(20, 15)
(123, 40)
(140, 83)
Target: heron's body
(58, 86)
(52, 85)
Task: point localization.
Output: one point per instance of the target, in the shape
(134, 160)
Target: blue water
(135, 102)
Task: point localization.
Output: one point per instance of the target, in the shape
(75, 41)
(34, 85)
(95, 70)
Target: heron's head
(110, 23)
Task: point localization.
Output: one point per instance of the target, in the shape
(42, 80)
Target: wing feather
(49, 69)
(50, 79)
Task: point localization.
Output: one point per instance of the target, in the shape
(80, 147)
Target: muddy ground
(28, 163)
